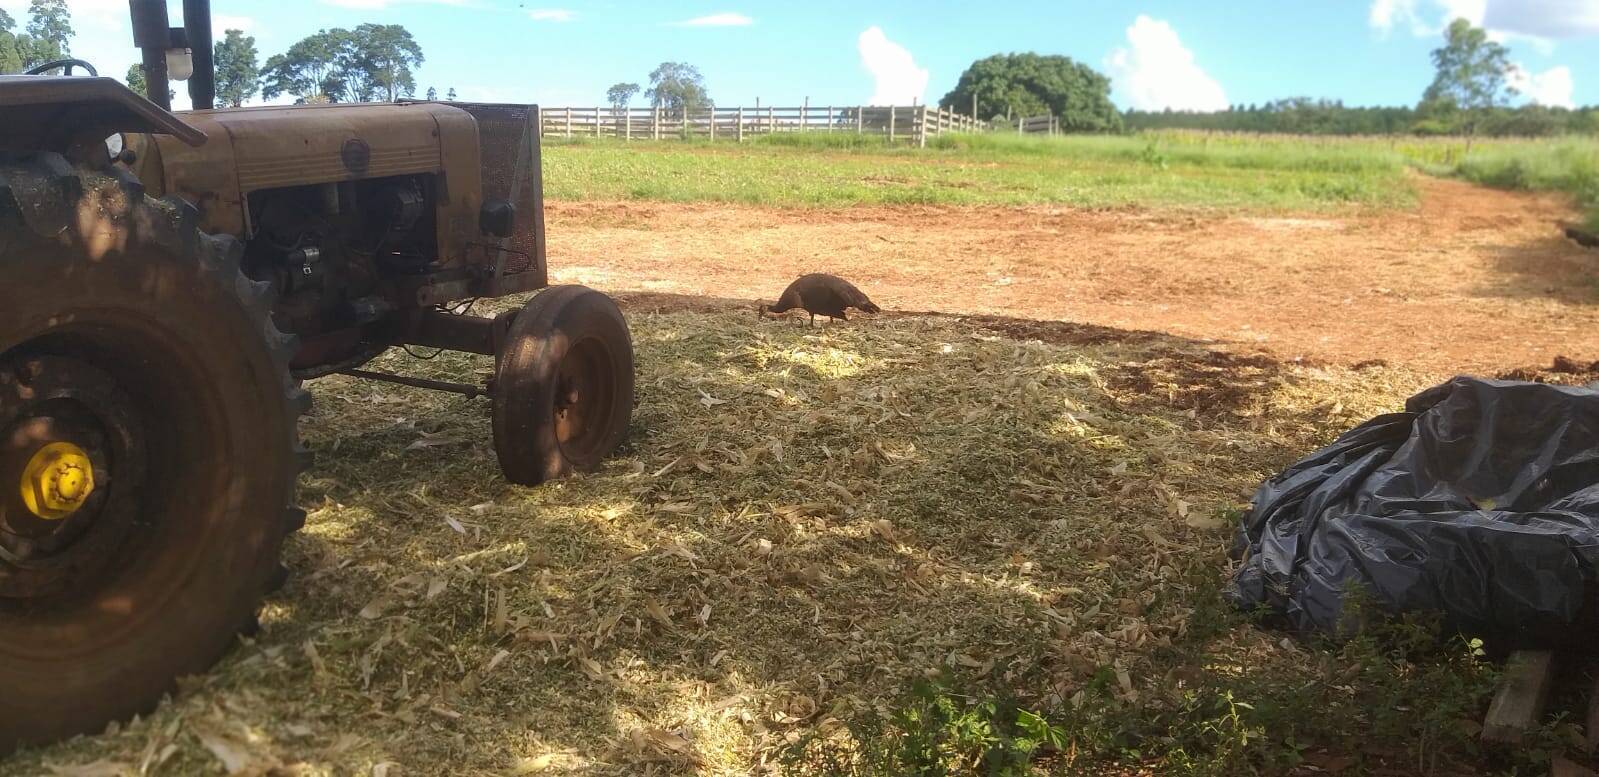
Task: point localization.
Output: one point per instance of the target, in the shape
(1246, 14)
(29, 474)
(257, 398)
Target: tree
(10, 56)
(237, 74)
(1472, 76)
(371, 62)
(309, 69)
(379, 61)
(49, 33)
(140, 85)
(677, 87)
(451, 95)
(1032, 84)
(136, 80)
(433, 94)
(619, 95)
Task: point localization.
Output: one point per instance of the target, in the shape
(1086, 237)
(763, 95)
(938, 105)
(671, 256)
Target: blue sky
(1178, 54)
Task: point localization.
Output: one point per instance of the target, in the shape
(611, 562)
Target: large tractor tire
(148, 450)
(563, 390)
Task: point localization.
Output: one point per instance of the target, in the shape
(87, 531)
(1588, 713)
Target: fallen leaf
(534, 765)
(882, 527)
(101, 768)
(496, 660)
(233, 754)
(658, 612)
(375, 608)
(436, 586)
(434, 441)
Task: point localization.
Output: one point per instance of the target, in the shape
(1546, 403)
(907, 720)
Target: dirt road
(1474, 280)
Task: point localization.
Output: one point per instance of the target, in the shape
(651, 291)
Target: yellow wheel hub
(57, 481)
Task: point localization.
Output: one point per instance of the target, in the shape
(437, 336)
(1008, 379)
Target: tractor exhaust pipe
(154, 37)
(197, 28)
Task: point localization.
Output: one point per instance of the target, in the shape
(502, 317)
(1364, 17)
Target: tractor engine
(326, 248)
(365, 218)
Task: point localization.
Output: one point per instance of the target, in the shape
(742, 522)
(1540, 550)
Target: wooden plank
(1523, 692)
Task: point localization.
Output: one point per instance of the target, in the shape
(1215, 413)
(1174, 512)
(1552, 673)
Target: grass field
(835, 170)
(1568, 164)
(1156, 169)
(870, 549)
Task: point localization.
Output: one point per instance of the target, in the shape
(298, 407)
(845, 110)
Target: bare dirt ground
(1475, 280)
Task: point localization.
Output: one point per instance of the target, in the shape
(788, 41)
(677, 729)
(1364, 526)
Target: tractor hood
(273, 147)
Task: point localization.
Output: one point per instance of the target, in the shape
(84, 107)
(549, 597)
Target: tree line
(1470, 94)
(367, 63)
(1306, 116)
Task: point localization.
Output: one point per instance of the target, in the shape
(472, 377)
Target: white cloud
(1552, 87)
(896, 79)
(1156, 71)
(1424, 18)
(552, 15)
(717, 20)
(1535, 22)
(1545, 18)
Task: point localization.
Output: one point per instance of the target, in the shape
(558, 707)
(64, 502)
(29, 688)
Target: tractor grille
(508, 137)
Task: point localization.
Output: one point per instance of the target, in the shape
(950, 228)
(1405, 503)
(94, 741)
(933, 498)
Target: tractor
(169, 281)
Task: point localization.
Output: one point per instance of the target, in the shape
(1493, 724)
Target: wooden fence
(912, 123)
(1038, 125)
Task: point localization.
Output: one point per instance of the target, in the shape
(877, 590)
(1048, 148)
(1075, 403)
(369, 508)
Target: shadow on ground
(803, 522)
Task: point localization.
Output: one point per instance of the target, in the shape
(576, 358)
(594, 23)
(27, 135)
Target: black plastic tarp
(1480, 502)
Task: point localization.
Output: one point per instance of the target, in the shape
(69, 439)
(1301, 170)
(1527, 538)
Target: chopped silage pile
(803, 522)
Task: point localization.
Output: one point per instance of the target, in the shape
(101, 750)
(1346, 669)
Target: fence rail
(912, 123)
(1038, 125)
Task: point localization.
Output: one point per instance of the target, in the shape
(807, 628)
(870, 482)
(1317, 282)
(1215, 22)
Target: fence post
(829, 118)
(891, 124)
(741, 125)
(569, 122)
(655, 122)
(627, 121)
(860, 119)
(771, 120)
(596, 122)
(921, 132)
(805, 109)
(713, 123)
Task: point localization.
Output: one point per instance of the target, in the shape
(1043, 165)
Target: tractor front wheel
(147, 448)
(563, 390)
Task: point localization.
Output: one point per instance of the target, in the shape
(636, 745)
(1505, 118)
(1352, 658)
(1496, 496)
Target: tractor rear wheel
(147, 448)
(563, 390)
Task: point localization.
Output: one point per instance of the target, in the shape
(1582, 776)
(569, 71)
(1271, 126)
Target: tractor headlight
(180, 64)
